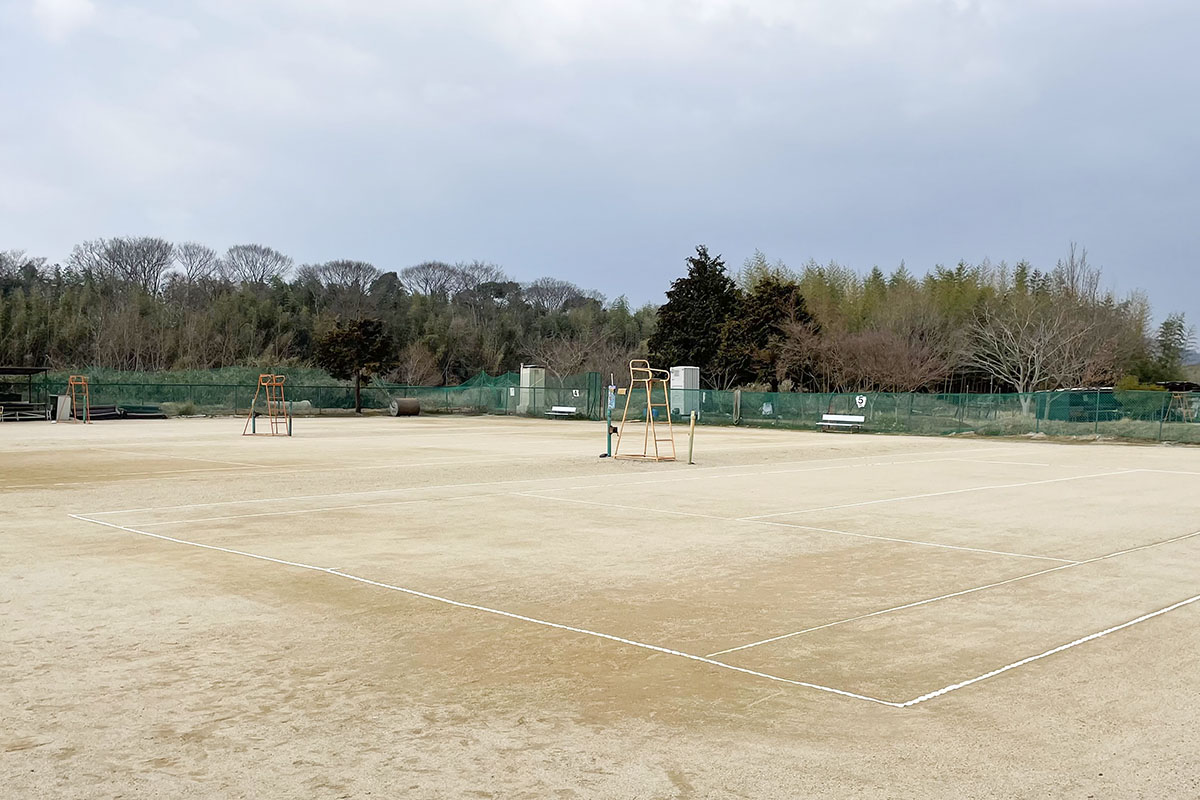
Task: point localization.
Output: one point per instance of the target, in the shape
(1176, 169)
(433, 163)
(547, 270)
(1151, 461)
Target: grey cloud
(600, 141)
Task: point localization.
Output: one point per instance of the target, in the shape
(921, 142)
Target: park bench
(852, 422)
(562, 411)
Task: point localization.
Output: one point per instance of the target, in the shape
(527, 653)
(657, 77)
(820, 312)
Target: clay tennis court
(450, 607)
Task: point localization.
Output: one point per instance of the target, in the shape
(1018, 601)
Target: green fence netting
(1146, 415)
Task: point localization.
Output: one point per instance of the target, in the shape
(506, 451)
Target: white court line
(914, 604)
(166, 474)
(236, 472)
(152, 454)
(790, 525)
(297, 511)
(350, 507)
(1012, 463)
(533, 480)
(912, 541)
(955, 686)
(972, 590)
(631, 642)
(942, 494)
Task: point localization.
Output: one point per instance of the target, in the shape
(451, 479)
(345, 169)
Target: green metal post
(1162, 417)
(1097, 428)
(691, 437)
(608, 409)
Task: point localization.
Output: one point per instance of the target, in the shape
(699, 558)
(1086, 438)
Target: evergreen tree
(357, 349)
(688, 328)
(750, 336)
(1171, 346)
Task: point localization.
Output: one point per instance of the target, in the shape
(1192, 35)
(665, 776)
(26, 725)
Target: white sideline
(912, 541)
(350, 507)
(1011, 463)
(335, 572)
(166, 474)
(942, 494)
(954, 686)
(913, 604)
(755, 521)
(530, 480)
(929, 600)
(178, 458)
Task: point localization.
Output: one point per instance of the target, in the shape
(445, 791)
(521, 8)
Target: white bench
(852, 422)
(562, 411)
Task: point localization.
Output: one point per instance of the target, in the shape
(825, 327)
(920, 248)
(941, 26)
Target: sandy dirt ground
(445, 607)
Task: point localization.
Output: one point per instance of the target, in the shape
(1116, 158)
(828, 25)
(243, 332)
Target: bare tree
(428, 278)
(1075, 279)
(349, 284)
(584, 352)
(141, 261)
(563, 355)
(308, 274)
(349, 274)
(468, 276)
(254, 263)
(1035, 345)
(910, 347)
(802, 356)
(198, 261)
(15, 262)
(887, 360)
(551, 294)
(87, 258)
(417, 366)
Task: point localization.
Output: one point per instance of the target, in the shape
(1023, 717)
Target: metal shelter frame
(20, 410)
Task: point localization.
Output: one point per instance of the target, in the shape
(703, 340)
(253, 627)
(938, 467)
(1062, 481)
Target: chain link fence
(1138, 415)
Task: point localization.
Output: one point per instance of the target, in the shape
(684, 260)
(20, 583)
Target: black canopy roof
(23, 370)
(1180, 386)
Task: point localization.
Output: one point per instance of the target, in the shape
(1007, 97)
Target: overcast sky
(601, 140)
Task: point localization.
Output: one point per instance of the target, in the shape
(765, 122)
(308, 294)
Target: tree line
(974, 327)
(143, 303)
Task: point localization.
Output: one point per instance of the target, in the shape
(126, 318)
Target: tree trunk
(358, 393)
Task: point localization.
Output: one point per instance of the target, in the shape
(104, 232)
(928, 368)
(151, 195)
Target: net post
(610, 402)
(691, 436)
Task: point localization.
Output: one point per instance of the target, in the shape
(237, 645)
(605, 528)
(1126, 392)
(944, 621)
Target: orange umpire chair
(655, 383)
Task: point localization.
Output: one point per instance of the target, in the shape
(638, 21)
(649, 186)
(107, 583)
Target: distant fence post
(1162, 416)
(1097, 428)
